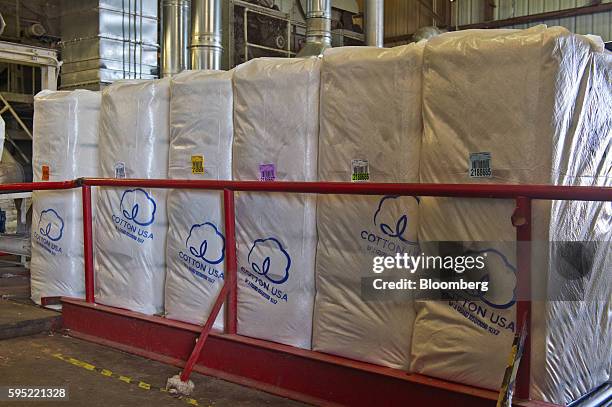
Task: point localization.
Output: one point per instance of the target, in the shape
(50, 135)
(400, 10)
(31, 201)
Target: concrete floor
(14, 280)
(29, 357)
(22, 319)
(33, 360)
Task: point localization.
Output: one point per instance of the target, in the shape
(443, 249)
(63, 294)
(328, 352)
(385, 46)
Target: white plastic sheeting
(10, 170)
(65, 147)
(201, 131)
(2, 136)
(276, 121)
(370, 111)
(131, 225)
(537, 101)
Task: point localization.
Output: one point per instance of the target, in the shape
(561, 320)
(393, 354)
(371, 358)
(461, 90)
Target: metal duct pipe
(176, 16)
(206, 34)
(318, 27)
(375, 23)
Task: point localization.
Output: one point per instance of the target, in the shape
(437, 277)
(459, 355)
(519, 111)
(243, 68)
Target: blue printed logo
(206, 242)
(51, 225)
(268, 258)
(389, 225)
(503, 273)
(137, 206)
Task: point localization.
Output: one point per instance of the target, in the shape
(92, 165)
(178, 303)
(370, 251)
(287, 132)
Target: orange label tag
(45, 173)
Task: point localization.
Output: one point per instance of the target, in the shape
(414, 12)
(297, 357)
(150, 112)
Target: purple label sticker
(267, 172)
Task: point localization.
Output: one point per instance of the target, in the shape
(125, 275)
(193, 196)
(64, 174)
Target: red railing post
(231, 266)
(522, 221)
(88, 244)
(197, 349)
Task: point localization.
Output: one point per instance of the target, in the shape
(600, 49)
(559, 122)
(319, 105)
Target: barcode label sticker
(197, 164)
(360, 171)
(120, 170)
(45, 173)
(480, 165)
(267, 172)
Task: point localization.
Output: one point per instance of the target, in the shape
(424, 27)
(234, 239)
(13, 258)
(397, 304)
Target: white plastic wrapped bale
(2, 137)
(131, 225)
(10, 169)
(537, 104)
(65, 147)
(276, 122)
(201, 131)
(370, 113)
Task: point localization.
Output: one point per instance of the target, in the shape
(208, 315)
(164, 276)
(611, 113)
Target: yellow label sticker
(197, 164)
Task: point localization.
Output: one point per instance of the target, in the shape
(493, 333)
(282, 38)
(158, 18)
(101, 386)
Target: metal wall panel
(404, 17)
(471, 12)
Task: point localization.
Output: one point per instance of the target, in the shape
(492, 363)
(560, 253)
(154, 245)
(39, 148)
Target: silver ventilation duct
(107, 40)
(206, 34)
(375, 23)
(318, 28)
(176, 17)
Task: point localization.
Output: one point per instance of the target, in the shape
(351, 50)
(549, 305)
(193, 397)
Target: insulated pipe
(318, 28)
(375, 23)
(176, 15)
(206, 34)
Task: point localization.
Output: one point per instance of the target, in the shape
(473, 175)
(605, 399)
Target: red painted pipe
(37, 186)
(88, 244)
(550, 192)
(231, 267)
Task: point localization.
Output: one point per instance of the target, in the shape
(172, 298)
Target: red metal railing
(521, 219)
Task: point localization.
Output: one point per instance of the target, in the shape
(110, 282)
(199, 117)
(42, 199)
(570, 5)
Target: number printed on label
(480, 165)
(267, 172)
(120, 170)
(360, 170)
(197, 164)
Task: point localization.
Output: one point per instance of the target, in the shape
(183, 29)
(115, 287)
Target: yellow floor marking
(144, 385)
(126, 379)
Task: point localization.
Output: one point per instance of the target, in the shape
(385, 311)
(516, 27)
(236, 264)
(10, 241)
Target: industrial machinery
(270, 28)
(105, 40)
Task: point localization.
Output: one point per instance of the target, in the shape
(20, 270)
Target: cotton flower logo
(390, 226)
(206, 242)
(501, 275)
(269, 258)
(51, 225)
(137, 206)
